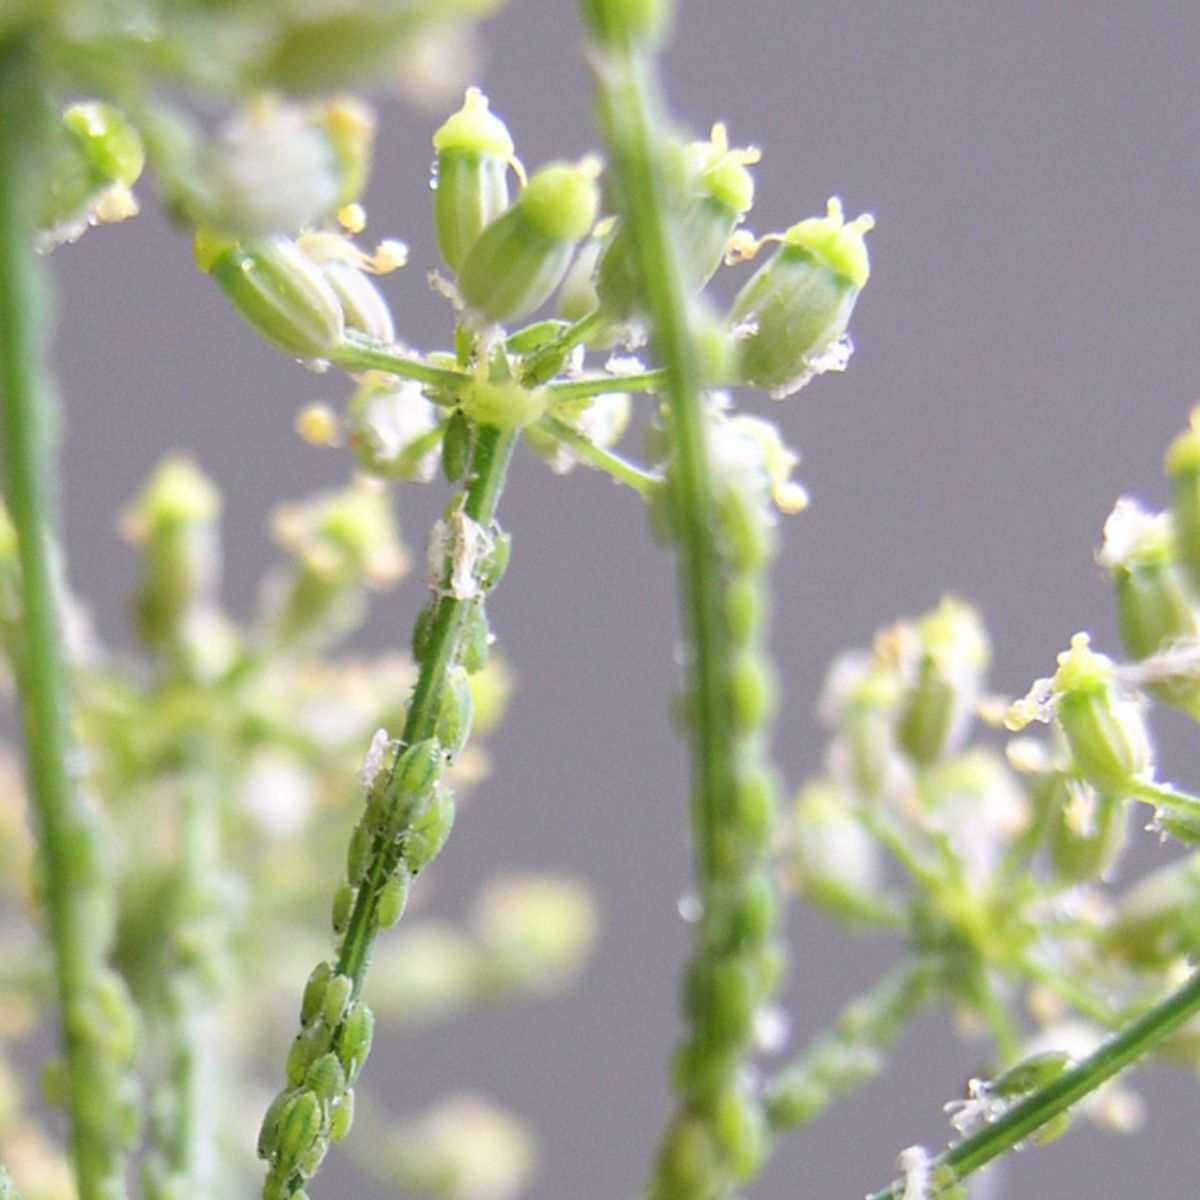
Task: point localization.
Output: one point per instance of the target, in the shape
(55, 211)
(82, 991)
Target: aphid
(299, 1127)
(337, 996)
(354, 1041)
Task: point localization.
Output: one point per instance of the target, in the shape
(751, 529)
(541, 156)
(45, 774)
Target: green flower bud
(521, 257)
(951, 652)
(1157, 921)
(299, 1127)
(474, 150)
(793, 312)
(277, 290)
(1087, 832)
(1106, 732)
(390, 426)
(1152, 609)
(834, 861)
(710, 192)
(615, 23)
(95, 157)
(859, 699)
(354, 1040)
(1183, 472)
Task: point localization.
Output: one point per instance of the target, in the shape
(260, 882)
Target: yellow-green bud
(1183, 472)
(793, 312)
(474, 149)
(518, 260)
(616, 23)
(110, 143)
(1087, 831)
(1158, 919)
(1105, 731)
(277, 290)
(834, 862)
(951, 654)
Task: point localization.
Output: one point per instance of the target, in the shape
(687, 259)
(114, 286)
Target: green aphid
(456, 446)
(454, 714)
(354, 1040)
(343, 906)
(1030, 1074)
(308, 1045)
(423, 631)
(474, 151)
(326, 1078)
(521, 257)
(476, 640)
(495, 562)
(337, 997)
(311, 1162)
(268, 1133)
(753, 690)
(393, 899)
(299, 1127)
(358, 854)
(342, 1116)
(415, 776)
(431, 831)
(277, 290)
(314, 992)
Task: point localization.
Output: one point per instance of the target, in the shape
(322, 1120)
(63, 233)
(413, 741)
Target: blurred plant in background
(173, 840)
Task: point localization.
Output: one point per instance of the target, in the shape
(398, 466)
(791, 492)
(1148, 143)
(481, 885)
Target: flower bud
(835, 862)
(793, 312)
(278, 291)
(474, 149)
(94, 159)
(1087, 831)
(614, 23)
(1152, 609)
(278, 168)
(713, 192)
(1105, 731)
(951, 653)
(518, 260)
(1158, 919)
(1183, 472)
(390, 426)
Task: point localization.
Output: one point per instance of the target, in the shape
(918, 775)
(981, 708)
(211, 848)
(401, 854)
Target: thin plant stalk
(1048, 1102)
(64, 825)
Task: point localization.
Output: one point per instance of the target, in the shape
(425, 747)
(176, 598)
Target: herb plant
(184, 807)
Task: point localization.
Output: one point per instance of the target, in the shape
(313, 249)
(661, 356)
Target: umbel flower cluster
(173, 835)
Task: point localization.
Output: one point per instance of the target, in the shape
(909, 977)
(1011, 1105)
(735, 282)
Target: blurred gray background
(1026, 348)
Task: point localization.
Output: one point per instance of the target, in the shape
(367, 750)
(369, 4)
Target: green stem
(849, 1054)
(621, 470)
(65, 827)
(489, 468)
(361, 353)
(1168, 799)
(602, 385)
(1023, 1119)
(546, 361)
